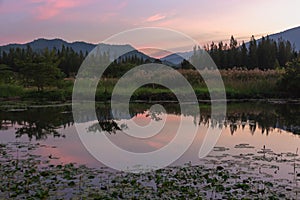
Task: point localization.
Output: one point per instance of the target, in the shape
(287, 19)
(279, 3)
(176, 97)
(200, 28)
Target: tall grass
(239, 84)
(253, 83)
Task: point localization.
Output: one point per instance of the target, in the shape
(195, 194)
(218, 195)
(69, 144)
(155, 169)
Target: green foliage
(66, 59)
(6, 74)
(121, 66)
(40, 74)
(10, 90)
(39, 69)
(290, 81)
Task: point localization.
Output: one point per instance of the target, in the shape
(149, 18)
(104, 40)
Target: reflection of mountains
(41, 122)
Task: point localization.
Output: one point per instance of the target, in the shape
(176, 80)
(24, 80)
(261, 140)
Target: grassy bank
(239, 84)
(18, 92)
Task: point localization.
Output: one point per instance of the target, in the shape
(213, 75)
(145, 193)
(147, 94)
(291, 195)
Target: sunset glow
(94, 21)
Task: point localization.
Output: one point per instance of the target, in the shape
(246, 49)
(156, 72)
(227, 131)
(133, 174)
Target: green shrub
(9, 90)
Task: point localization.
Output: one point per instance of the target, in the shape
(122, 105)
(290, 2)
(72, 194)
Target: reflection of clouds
(69, 150)
(136, 144)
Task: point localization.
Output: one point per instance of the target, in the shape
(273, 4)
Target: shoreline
(8, 102)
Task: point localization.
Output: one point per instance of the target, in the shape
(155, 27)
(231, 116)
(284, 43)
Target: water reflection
(37, 123)
(41, 122)
(109, 126)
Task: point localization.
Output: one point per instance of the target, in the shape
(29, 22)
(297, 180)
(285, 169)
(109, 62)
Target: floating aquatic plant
(30, 176)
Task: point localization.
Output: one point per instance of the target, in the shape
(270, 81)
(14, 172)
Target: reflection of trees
(154, 115)
(289, 117)
(41, 122)
(37, 122)
(266, 117)
(252, 126)
(106, 123)
(232, 121)
(266, 121)
(37, 130)
(109, 126)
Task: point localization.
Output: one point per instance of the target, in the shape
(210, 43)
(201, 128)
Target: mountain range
(292, 35)
(41, 44)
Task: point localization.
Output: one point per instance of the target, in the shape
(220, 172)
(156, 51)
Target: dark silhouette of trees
(265, 54)
(186, 64)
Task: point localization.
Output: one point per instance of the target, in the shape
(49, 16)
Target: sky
(93, 21)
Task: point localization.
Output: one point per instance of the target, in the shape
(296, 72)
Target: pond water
(256, 136)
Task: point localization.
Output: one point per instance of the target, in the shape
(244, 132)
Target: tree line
(47, 67)
(39, 68)
(66, 59)
(265, 54)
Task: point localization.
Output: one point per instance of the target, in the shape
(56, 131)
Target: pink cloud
(47, 9)
(155, 18)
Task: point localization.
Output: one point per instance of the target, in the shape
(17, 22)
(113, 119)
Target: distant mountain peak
(42, 43)
(46, 39)
(113, 49)
(292, 35)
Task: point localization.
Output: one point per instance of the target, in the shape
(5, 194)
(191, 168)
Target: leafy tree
(40, 74)
(6, 74)
(290, 82)
(40, 70)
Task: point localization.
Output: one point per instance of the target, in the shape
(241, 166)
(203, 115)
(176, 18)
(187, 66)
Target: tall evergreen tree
(252, 56)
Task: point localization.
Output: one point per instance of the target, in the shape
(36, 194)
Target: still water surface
(263, 137)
